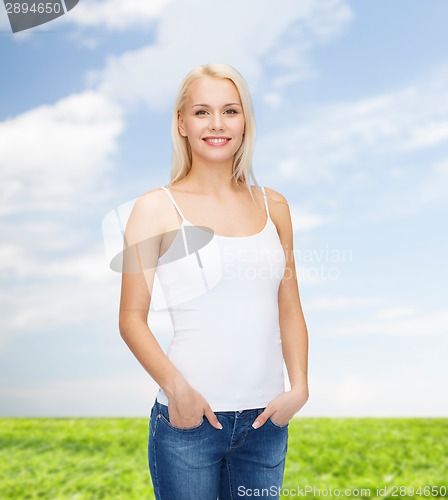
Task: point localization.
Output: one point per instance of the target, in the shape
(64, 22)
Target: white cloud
(4, 21)
(427, 135)
(53, 160)
(396, 312)
(402, 322)
(197, 32)
(434, 187)
(355, 395)
(344, 142)
(115, 14)
(51, 154)
(337, 303)
(306, 221)
(12, 258)
(126, 395)
(441, 167)
(57, 293)
(273, 99)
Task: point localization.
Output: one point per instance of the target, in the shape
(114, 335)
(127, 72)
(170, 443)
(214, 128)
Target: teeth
(217, 141)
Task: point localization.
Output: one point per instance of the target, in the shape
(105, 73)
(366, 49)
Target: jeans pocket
(163, 415)
(166, 421)
(277, 426)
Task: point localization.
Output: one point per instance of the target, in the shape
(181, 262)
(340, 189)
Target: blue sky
(351, 103)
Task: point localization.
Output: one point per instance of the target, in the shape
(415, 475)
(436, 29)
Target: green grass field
(106, 458)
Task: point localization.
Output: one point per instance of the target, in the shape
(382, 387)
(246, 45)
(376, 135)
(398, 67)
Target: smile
(218, 141)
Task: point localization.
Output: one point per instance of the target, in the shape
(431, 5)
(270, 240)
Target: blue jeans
(205, 463)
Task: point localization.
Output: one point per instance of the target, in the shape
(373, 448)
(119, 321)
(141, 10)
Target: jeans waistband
(164, 408)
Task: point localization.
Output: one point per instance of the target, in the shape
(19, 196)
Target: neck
(211, 178)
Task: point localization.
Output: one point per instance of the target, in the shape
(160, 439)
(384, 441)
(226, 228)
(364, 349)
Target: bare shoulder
(152, 197)
(275, 197)
(148, 215)
(151, 204)
(280, 212)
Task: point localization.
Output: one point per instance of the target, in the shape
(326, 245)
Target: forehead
(208, 90)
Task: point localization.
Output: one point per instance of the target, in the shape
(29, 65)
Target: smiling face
(212, 120)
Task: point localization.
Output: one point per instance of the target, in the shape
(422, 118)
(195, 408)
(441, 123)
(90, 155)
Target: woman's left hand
(283, 407)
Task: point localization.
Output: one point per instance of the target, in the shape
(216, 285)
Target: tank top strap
(174, 202)
(266, 202)
(184, 236)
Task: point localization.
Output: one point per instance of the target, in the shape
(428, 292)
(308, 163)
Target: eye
(200, 112)
(232, 111)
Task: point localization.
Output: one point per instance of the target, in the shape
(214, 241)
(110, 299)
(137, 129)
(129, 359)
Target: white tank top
(222, 296)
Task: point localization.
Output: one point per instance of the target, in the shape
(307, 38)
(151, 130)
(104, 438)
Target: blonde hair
(181, 153)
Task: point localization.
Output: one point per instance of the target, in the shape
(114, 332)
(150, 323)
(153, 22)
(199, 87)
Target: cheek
(242, 128)
(195, 127)
(239, 127)
(189, 130)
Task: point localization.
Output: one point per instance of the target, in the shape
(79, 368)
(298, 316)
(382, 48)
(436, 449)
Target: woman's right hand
(186, 407)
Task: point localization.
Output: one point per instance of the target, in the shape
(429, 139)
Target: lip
(220, 140)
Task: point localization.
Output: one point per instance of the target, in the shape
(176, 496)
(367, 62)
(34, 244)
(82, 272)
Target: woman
(219, 424)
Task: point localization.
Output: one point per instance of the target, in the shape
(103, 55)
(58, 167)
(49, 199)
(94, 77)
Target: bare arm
(142, 240)
(294, 333)
(293, 328)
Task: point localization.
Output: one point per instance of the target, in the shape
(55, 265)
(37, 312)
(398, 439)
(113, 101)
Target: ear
(180, 125)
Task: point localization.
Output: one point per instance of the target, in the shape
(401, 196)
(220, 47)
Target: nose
(216, 122)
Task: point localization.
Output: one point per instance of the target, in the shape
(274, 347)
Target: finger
(261, 419)
(212, 418)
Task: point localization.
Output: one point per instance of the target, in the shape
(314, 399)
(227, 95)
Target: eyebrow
(225, 105)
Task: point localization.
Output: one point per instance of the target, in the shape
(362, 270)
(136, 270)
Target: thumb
(212, 418)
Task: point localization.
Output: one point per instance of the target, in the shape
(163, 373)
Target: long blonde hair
(181, 153)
